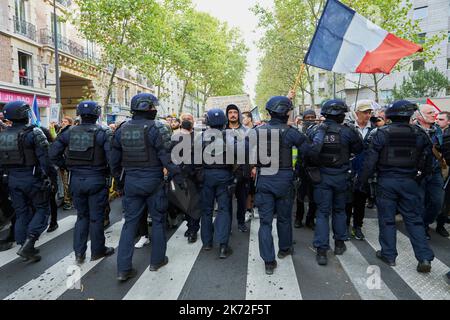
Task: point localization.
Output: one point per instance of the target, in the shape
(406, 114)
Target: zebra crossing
(195, 274)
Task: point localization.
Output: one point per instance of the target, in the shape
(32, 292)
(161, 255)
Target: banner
(54, 112)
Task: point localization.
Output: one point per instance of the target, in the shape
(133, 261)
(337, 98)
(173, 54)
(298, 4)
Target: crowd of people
(339, 162)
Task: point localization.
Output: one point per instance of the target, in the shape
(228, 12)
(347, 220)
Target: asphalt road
(195, 274)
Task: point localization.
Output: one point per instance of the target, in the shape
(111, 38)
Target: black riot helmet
(401, 109)
(88, 108)
(144, 102)
(279, 105)
(16, 110)
(334, 107)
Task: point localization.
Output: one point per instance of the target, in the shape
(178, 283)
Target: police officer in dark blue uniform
(217, 182)
(24, 157)
(84, 151)
(140, 151)
(401, 154)
(333, 145)
(275, 188)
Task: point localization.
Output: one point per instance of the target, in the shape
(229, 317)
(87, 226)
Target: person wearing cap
(364, 111)
(401, 155)
(84, 150)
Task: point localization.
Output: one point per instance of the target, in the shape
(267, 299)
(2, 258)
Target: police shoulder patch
(39, 137)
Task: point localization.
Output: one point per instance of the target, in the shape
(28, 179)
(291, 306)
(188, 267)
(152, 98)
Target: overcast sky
(237, 14)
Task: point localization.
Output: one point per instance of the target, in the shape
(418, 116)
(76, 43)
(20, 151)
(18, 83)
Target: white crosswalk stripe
(64, 225)
(282, 285)
(428, 286)
(356, 266)
(170, 281)
(167, 282)
(54, 281)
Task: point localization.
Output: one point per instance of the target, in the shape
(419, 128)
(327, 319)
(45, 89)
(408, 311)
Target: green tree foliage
(166, 36)
(422, 83)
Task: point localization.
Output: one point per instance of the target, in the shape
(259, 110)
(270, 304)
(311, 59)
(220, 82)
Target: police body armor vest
(13, 152)
(446, 146)
(83, 149)
(136, 149)
(285, 151)
(334, 153)
(400, 149)
(216, 149)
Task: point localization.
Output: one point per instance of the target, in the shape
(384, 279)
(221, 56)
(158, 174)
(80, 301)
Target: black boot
(28, 252)
(321, 257)
(339, 248)
(225, 251)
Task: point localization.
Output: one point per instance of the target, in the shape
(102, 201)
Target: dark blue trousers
(274, 196)
(432, 197)
(330, 196)
(90, 198)
(26, 194)
(143, 190)
(215, 187)
(401, 195)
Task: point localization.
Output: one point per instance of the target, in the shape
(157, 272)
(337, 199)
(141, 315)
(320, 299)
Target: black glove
(179, 180)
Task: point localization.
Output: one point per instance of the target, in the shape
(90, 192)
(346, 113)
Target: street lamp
(45, 67)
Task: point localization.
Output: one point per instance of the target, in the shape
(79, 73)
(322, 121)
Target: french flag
(346, 42)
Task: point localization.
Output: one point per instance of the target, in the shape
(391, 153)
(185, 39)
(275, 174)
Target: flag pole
(299, 77)
(357, 90)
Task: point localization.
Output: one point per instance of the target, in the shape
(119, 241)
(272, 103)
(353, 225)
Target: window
(422, 37)
(448, 64)
(386, 95)
(59, 25)
(321, 76)
(321, 92)
(20, 10)
(418, 65)
(127, 96)
(112, 97)
(447, 91)
(420, 13)
(25, 69)
(90, 49)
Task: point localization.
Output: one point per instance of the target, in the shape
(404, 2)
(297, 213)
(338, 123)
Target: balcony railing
(24, 28)
(65, 3)
(68, 46)
(25, 81)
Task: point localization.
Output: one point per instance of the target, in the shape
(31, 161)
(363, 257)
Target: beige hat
(364, 105)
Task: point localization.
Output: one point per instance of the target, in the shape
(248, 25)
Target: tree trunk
(303, 100)
(183, 97)
(162, 73)
(113, 74)
(375, 82)
(108, 93)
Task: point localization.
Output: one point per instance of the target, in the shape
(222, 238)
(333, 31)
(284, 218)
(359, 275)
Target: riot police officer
(140, 150)
(333, 144)
(217, 185)
(24, 158)
(274, 188)
(401, 154)
(84, 151)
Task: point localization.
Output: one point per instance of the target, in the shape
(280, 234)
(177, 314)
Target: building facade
(27, 62)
